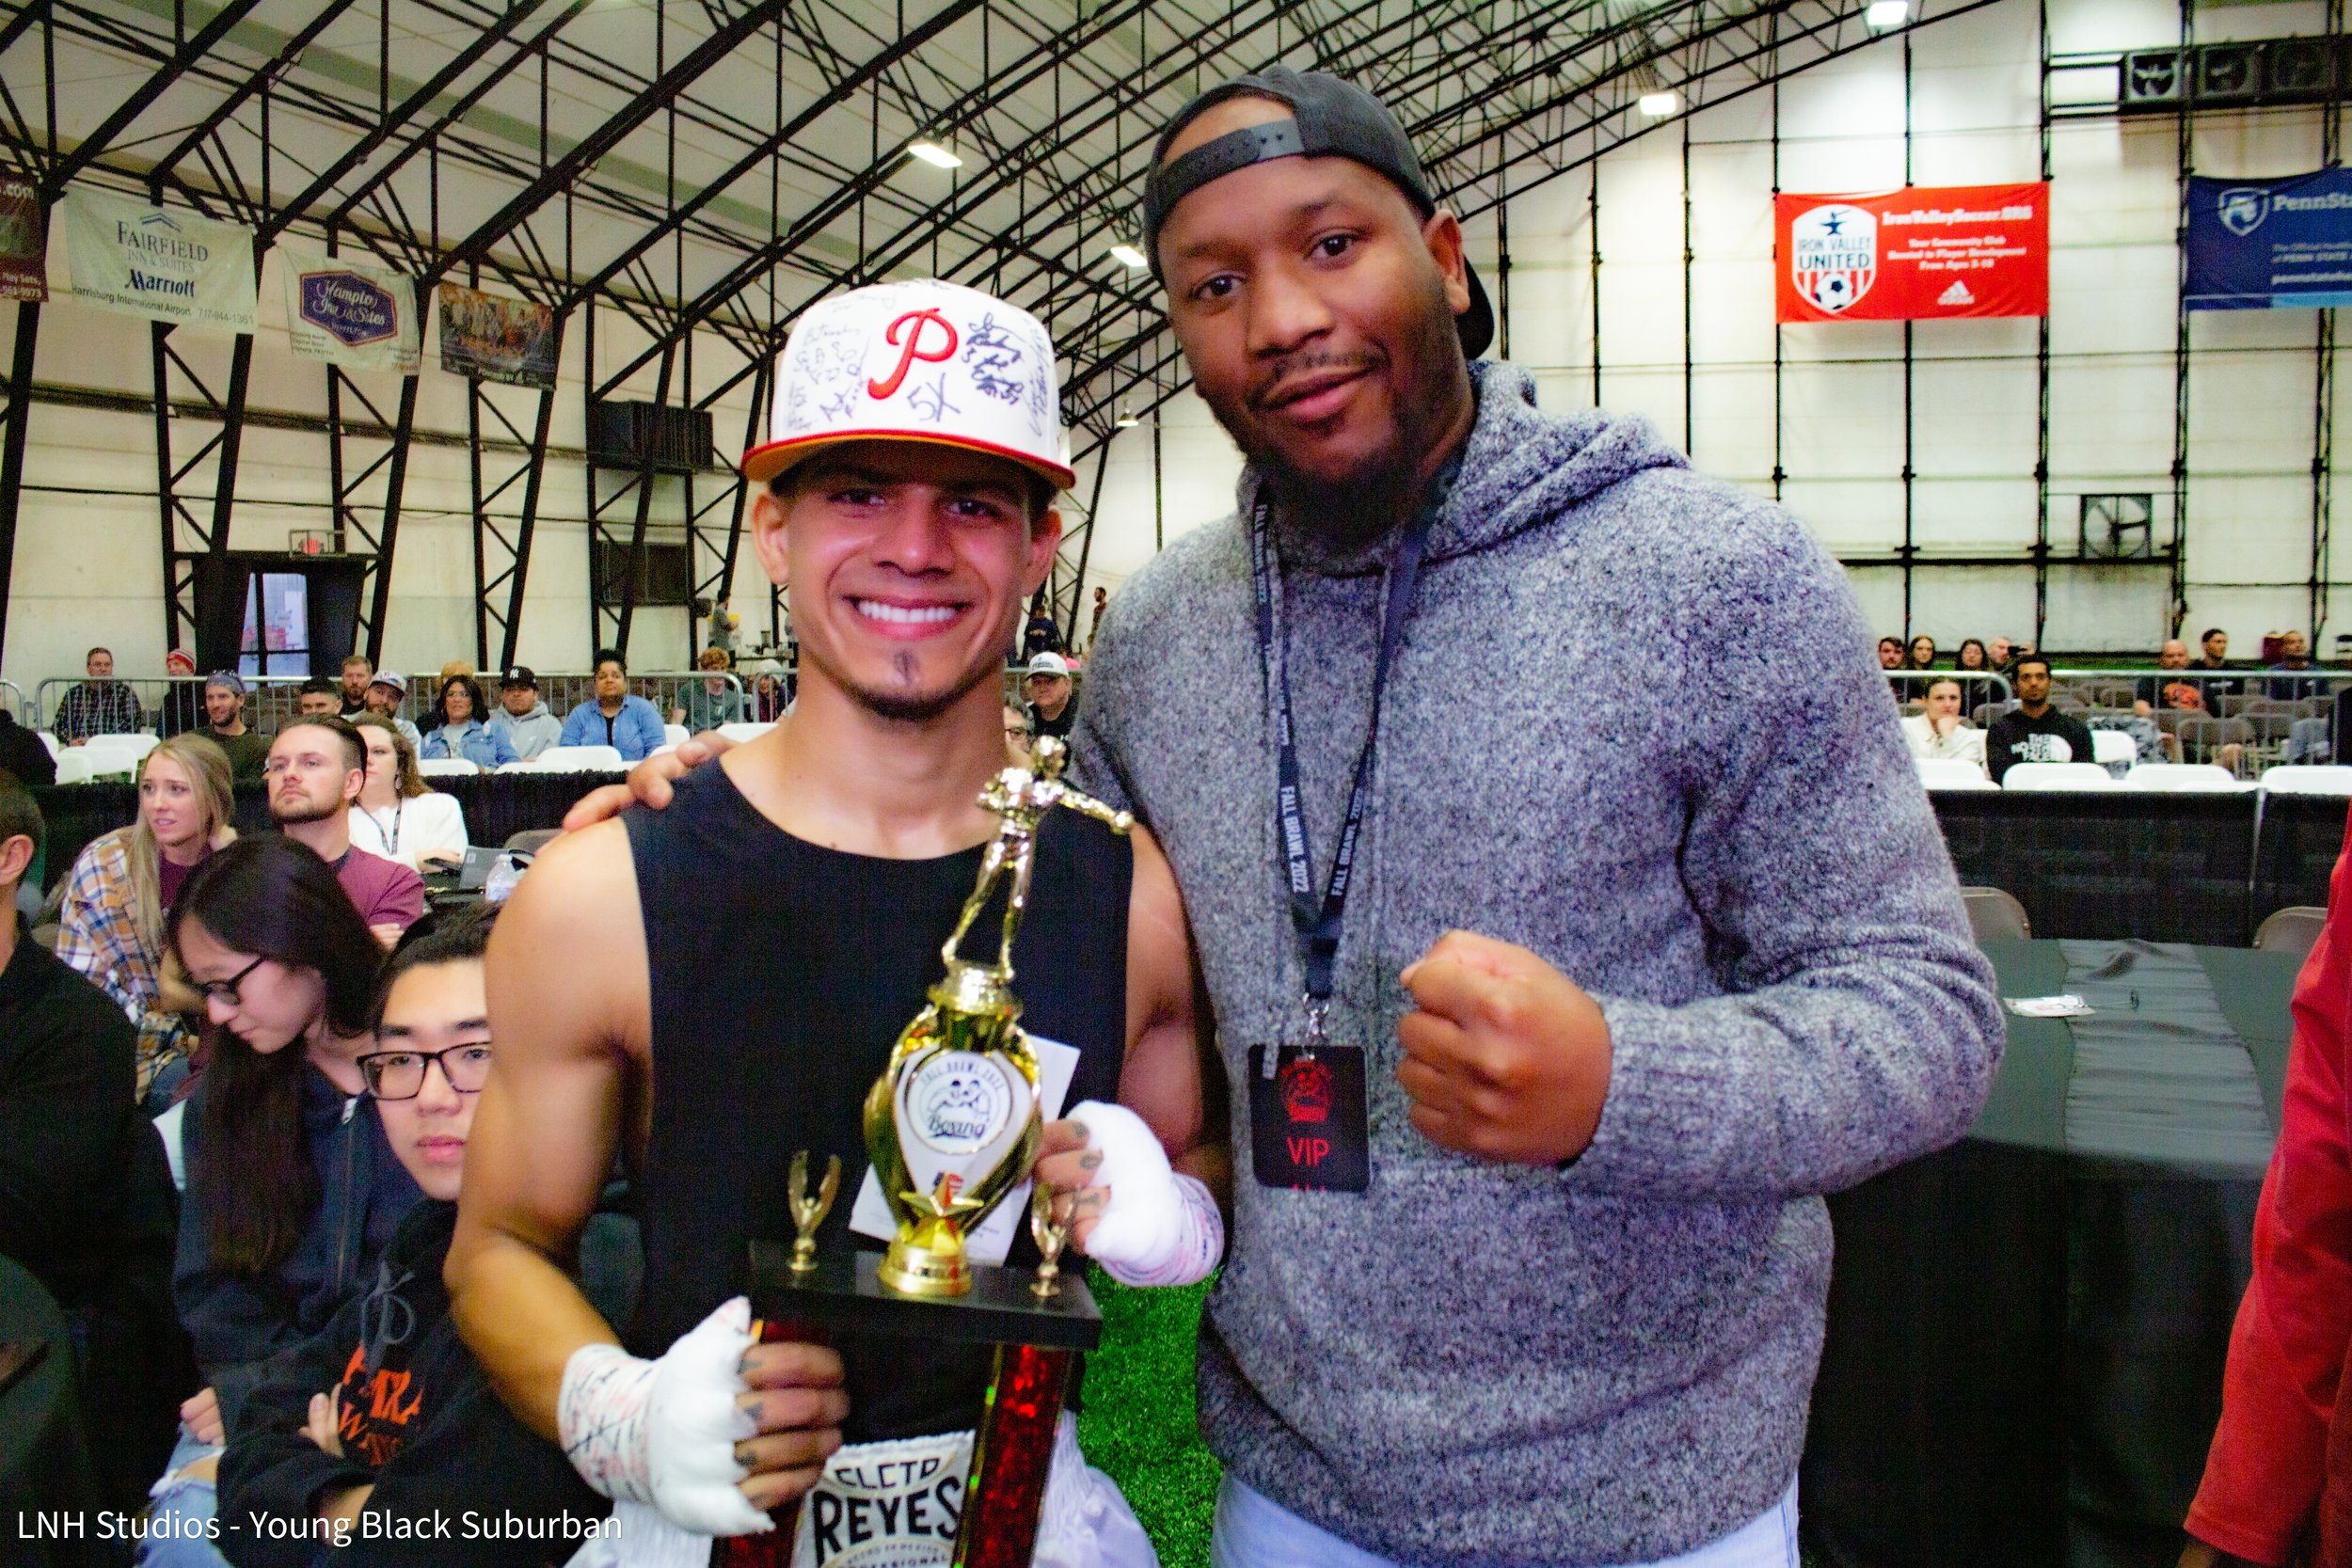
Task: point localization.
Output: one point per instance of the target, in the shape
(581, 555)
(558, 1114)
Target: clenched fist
(1504, 1057)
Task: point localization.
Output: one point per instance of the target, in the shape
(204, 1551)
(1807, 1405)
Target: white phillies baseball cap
(928, 361)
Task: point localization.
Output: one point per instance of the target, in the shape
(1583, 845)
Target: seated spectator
(2294, 652)
(351, 698)
(1942, 731)
(224, 713)
(522, 717)
(386, 692)
(86, 1198)
(120, 894)
(1020, 736)
(99, 706)
(292, 1191)
(398, 816)
(316, 769)
(1049, 688)
(24, 756)
(2215, 656)
(627, 724)
(1890, 653)
(710, 701)
(2034, 730)
(462, 732)
(1922, 654)
(402, 1426)
(2152, 692)
(768, 697)
(183, 707)
(2005, 653)
(318, 697)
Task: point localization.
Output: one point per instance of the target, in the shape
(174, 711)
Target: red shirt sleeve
(2269, 1461)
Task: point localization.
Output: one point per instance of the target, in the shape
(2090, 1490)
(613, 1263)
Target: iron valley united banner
(145, 261)
(1921, 253)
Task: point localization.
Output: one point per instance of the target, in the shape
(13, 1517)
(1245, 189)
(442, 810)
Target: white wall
(1975, 114)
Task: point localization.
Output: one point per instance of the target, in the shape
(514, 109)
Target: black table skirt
(2025, 1351)
(497, 806)
(2162, 867)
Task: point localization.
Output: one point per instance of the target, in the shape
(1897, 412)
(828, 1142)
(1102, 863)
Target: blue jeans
(1254, 1531)
(179, 1529)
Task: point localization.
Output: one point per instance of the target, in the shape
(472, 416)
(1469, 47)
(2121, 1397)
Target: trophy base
(916, 1271)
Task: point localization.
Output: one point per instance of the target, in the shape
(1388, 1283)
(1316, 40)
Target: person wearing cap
(387, 690)
(99, 706)
(183, 707)
(709, 702)
(225, 726)
(905, 499)
(522, 717)
(1628, 981)
(1047, 685)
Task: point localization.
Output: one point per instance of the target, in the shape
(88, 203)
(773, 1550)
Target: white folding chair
(77, 765)
(742, 732)
(674, 735)
(2054, 777)
(1945, 773)
(133, 748)
(448, 768)
(2193, 778)
(2108, 747)
(49, 739)
(577, 759)
(2331, 779)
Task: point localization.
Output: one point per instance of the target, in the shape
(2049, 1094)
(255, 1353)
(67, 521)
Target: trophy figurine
(951, 1127)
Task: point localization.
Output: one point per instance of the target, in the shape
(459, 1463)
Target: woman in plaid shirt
(121, 891)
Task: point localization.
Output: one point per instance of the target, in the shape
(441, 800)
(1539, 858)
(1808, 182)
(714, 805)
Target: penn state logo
(958, 1103)
(1833, 255)
(2243, 208)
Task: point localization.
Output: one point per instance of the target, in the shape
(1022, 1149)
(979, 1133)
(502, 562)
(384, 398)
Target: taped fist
(1132, 1214)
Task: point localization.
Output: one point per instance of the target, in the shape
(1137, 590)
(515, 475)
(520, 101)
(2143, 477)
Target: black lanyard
(1318, 924)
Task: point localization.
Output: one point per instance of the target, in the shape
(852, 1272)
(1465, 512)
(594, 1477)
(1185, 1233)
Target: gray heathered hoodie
(1636, 727)
(531, 735)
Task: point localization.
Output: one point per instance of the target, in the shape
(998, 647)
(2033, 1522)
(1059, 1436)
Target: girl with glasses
(293, 1190)
(386, 1413)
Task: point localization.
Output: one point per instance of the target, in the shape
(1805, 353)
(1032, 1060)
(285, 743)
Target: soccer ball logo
(1833, 255)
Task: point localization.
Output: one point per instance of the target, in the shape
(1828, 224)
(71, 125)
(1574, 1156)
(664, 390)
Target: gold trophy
(951, 1126)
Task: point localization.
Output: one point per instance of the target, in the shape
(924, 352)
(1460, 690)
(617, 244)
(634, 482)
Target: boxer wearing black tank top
(712, 987)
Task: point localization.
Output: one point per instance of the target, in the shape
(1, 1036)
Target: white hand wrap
(663, 1433)
(1156, 1227)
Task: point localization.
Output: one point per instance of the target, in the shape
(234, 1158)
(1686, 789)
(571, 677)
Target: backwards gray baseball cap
(1329, 119)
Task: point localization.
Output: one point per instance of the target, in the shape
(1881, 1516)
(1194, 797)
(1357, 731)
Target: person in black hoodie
(2035, 731)
(379, 1434)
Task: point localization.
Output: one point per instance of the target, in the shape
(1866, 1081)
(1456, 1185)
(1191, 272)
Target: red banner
(1920, 253)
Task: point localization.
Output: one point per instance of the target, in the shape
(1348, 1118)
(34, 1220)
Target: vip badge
(1833, 255)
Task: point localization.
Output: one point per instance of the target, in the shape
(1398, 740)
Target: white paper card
(1057, 1064)
(2067, 1005)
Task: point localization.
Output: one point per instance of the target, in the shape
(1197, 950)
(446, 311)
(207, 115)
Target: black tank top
(781, 972)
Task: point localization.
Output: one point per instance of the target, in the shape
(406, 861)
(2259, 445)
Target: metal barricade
(19, 704)
(1976, 686)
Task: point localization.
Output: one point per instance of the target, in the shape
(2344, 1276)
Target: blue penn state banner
(2270, 244)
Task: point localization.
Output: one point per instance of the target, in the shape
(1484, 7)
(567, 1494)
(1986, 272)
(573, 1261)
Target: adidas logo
(1957, 294)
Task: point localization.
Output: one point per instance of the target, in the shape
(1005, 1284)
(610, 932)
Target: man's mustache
(1292, 368)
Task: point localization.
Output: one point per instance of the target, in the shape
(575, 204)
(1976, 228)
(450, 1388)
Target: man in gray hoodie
(1529, 1257)
(529, 727)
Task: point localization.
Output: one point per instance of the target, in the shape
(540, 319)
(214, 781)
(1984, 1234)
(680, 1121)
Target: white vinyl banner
(349, 311)
(125, 255)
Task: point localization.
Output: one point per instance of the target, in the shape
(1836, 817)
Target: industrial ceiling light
(1661, 101)
(1884, 14)
(1129, 257)
(1127, 419)
(934, 154)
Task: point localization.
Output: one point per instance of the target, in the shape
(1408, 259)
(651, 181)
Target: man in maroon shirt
(315, 769)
